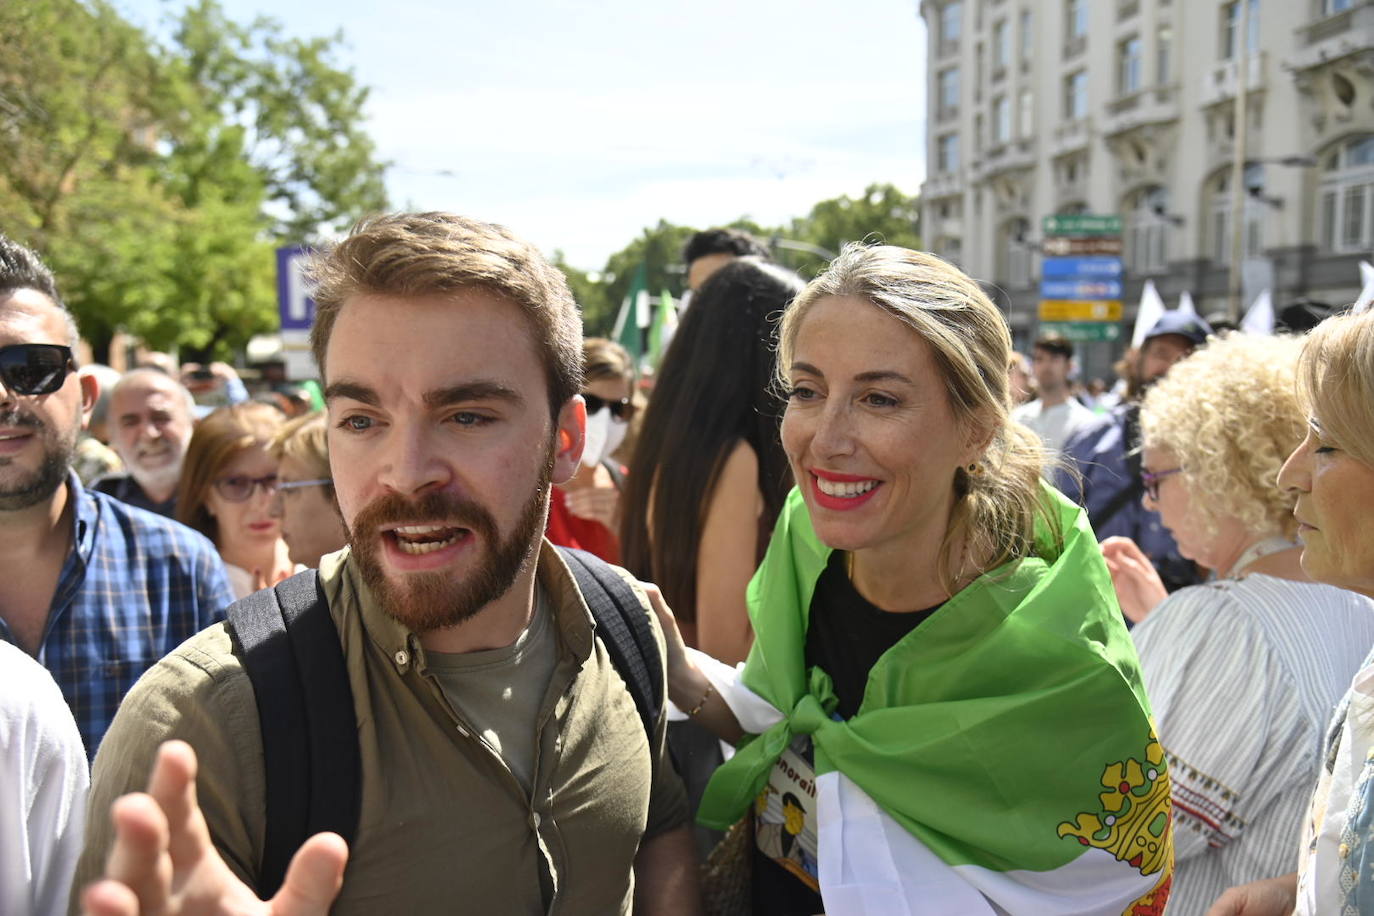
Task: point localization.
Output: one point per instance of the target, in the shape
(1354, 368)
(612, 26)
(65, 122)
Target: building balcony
(1125, 9)
(950, 184)
(1070, 137)
(944, 115)
(1074, 46)
(1333, 37)
(1219, 85)
(945, 48)
(1154, 105)
(1005, 157)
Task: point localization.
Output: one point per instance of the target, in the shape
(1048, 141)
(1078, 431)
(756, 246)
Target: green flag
(634, 316)
(1009, 732)
(664, 326)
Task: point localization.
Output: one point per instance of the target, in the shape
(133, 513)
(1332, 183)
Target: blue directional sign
(1080, 289)
(1081, 268)
(294, 302)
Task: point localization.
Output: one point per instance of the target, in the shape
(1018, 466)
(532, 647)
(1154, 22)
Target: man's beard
(425, 601)
(39, 485)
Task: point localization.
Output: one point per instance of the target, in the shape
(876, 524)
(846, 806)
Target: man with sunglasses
(94, 589)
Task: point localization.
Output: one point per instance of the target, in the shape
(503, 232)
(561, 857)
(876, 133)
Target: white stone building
(1127, 106)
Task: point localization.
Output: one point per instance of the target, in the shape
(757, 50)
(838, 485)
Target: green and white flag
(1008, 736)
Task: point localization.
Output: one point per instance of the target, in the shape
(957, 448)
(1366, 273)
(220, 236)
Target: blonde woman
(941, 686)
(1244, 670)
(1331, 477)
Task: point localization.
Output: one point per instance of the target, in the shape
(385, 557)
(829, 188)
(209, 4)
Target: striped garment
(1242, 676)
(134, 587)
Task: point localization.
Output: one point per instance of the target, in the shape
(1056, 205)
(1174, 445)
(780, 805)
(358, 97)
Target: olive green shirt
(445, 826)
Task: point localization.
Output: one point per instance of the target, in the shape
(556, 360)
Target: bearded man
(504, 767)
(94, 589)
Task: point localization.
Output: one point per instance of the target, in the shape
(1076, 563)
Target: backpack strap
(311, 760)
(624, 628)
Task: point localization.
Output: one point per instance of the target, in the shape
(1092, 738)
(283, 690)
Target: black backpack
(290, 649)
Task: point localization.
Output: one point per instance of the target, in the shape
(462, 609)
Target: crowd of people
(850, 608)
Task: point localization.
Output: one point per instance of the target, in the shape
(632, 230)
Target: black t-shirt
(846, 637)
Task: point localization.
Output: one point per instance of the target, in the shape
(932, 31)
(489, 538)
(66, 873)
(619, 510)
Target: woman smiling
(941, 687)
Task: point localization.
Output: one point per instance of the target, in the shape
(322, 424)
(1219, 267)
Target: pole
(1238, 191)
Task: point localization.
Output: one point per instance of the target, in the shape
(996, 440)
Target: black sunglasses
(621, 409)
(34, 368)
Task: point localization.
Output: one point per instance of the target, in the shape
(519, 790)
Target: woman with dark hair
(708, 475)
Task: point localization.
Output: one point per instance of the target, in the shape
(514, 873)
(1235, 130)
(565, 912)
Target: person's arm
(666, 875)
(688, 688)
(726, 558)
(164, 862)
(1270, 897)
(1139, 590)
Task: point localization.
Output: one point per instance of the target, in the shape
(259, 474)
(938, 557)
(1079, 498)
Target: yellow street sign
(1080, 310)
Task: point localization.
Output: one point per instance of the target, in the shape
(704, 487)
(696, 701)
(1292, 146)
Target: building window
(1075, 19)
(1230, 26)
(1076, 95)
(948, 88)
(947, 154)
(1026, 114)
(1001, 45)
(1025, 37)
(951, 20)
(1346, 195)
(1331, 7)
(1016, 250)
(1001, 120)
(1253, 212)
(1128, 66)
(951, 248)
(1147, 228)
(1164, 49)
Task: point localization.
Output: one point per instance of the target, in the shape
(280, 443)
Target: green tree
(598, 313)
(158, 179)
(882, 213)
(659, 249)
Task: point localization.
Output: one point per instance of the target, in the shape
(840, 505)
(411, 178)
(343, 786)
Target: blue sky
(577, 124)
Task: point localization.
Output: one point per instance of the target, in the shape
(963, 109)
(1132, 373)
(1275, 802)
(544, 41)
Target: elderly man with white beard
(151, 422)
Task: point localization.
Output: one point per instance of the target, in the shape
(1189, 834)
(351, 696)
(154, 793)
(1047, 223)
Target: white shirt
(43, 783)
(1242, 676)
(1054, 424)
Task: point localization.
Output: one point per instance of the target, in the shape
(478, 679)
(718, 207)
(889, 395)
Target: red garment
(567, 530)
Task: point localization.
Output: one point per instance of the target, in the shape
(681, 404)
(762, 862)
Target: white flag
(1367, 293)
(1259, 320)
(1185, 304)
(1150, 310)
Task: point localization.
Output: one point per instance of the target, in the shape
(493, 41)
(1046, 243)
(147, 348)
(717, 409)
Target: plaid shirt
(134, 587)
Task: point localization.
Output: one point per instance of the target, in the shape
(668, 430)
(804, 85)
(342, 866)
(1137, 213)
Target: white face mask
(596, 436)
(616, 436)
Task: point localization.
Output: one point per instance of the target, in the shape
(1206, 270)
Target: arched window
(1346, 195)
(1147, 227)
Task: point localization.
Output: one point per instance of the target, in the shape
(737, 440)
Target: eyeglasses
(621, 409)
(286, 486)
(239, 488)
(33, 369)
(1151, 480)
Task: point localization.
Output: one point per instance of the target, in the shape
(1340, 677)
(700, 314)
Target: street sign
(294, 302)
(1080, 289)
(1060, 246)
(1082, 224)
(1093, 268)
(1079, 310)
(1082, 330)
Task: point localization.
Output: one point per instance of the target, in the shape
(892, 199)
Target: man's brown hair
(418, 254)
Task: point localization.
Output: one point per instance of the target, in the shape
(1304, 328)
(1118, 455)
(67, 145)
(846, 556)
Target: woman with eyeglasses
(228, 483)
(311, 524)
(1243, 670)
(942, 709)
(584, 512)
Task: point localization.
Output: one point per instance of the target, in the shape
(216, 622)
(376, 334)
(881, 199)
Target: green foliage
(598, 312)
(660, 251)
(157, 180)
